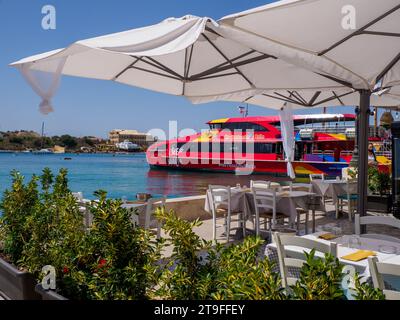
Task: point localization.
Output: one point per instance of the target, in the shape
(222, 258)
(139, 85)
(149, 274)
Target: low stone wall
(189, 208)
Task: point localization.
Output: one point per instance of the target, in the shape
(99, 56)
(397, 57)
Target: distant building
(139, 138)
(59, 149)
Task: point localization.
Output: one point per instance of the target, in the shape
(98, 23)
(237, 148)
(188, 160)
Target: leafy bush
(110, 260)
(379, 182)
(115, 259)
(197, 270)
(363, 291)
(56, 226)
(18, 205)
(320, 279)
(242, 275)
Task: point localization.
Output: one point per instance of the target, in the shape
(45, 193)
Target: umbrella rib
(285, 99)
(155, 72)
(189, 62)
(381, 33)
(298, 96)
(215, 76)
(247, 99)
(187, 68)
(331, 98)
(126, 69)
(388, 67)
(225, 67)
(227, 59)
(227, 63)
(342, 82)
(360, 30)
(289, 99)
(338, 98)
(294, 97)
(160, 66)
(314, 97)
(184, 71)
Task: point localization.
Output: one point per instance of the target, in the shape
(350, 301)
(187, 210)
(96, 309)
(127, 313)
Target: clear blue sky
(92, 107)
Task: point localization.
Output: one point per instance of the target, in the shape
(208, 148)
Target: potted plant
(111, 260)
(17, 205)
(379, 185)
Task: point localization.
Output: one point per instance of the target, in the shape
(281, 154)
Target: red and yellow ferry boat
(324, 144)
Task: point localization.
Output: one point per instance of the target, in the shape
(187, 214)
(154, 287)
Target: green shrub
(18, 205)
(320, 279)
(115, 260)
(241, 275)
(56, 226)
(223, 272)
(379, 182)
(363, 291)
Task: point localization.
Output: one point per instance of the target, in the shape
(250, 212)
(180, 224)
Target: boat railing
(330, 129)
(327, 152)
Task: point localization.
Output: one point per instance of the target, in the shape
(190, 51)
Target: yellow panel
(220, 120)
(338, 136)
(383, 160)
(206, 136)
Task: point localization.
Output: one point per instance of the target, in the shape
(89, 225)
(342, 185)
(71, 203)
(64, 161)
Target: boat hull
(267, 167)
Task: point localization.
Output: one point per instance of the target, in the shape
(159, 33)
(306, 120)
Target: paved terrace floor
(322, 219)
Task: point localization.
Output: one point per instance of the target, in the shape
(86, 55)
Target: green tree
(68, 141)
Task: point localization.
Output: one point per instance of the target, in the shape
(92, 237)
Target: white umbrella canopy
(306, 98)
(180, 56)
(354, 41)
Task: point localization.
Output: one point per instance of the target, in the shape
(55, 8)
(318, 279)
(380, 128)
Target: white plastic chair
(260, 184)
(317, 176)
(220, 201)
(87, 216)
(265, 207)
(377, 270)
(298, 187)
(349, 199)
(288, 260)
(376, 220)
(150, 221)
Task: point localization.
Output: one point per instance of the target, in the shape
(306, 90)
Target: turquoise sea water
(122, 175)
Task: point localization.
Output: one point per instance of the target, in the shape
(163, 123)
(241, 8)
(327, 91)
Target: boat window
(264, 148)
(230, 147)
(243, 126)
(214, 126)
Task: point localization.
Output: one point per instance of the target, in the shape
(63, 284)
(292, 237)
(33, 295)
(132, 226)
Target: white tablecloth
(286, 202)
(333, 188)
(343, 249)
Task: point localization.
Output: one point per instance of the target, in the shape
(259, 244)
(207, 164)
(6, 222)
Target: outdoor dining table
(333, 188)
(343, 249)
(287, 203)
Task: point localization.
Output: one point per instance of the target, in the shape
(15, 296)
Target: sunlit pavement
(322, 219)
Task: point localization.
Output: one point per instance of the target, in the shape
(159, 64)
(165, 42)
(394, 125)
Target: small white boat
(127, 146)
(43, 151)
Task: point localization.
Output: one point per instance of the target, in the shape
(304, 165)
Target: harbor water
(121, 175)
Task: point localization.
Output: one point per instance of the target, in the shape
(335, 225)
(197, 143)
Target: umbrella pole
(363, 123)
